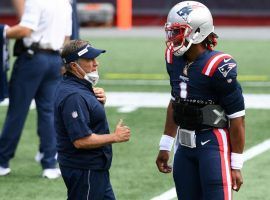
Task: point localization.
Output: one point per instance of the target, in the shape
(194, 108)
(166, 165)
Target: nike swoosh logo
(205, 142)
(227, 60)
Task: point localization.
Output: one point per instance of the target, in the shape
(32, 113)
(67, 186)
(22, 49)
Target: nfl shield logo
(74, 114)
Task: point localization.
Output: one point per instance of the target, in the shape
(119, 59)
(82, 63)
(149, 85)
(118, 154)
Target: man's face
(88, 65)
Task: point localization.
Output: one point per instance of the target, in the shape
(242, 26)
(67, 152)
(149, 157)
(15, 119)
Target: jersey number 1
(183, 90)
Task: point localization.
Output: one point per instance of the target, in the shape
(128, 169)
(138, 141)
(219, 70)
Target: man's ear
(73, 66)
(76, 69)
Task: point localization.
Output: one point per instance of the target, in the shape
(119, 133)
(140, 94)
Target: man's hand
(122, 132)
(162, 161)
(237, 179)
(100, 94)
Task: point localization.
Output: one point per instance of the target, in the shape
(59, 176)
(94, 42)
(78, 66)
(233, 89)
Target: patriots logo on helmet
(226, 68)
(184, 12)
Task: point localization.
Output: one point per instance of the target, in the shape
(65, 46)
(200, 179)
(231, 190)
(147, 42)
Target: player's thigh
(186, 175)
(215, 175)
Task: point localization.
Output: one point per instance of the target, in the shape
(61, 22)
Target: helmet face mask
(176, 33)
(188, 22)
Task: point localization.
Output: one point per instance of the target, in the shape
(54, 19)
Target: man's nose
(96, 63)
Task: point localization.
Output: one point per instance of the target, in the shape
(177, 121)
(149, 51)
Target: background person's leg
(23, 85)
(45, 109)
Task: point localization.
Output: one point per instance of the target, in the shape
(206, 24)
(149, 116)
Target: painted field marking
(130, 101)
(131, 82)
(248, 155)
(162, 76)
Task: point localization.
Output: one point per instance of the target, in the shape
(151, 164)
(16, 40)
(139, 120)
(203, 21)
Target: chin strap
(169, 54)
(183, 49)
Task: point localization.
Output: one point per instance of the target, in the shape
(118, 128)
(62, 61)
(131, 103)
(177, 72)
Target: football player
(205, 115)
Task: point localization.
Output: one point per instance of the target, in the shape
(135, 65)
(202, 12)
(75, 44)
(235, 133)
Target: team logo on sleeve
(74, 114)
(226, 68)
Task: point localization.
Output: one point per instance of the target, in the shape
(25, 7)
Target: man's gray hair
(70, 47)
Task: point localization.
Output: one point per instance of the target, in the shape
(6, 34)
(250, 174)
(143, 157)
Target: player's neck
(194, 52)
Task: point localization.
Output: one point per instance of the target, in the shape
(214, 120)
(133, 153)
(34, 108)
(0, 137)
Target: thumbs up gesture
(122, 132)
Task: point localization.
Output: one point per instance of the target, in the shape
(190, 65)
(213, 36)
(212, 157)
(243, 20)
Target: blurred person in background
(84, 141)
(41, 33)
(19, 8)
(75, 23)
(206, 111)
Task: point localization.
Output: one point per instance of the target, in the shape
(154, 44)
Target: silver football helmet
(188, 22)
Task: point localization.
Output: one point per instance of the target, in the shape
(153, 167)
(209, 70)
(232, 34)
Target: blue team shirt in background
(78, 114)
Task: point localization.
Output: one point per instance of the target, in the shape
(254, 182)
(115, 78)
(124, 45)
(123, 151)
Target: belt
(50, 51)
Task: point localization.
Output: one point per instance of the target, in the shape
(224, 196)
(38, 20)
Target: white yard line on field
(252, 84)
(248, 154)
(130, 101)
(224, 32)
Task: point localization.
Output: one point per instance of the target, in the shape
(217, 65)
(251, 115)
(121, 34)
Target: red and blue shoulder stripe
(212, 64)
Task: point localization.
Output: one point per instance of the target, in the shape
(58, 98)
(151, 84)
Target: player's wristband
(166, 143)
(237, 160)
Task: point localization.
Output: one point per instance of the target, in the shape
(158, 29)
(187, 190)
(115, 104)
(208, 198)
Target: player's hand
(237, 179)
(162, 161)
(122, 132)
(100, 94)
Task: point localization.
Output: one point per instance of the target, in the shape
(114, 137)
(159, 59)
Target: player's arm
(18, 32)
(75, 115)
(121, 134)
(231, 99)
(166, 142)
(237, 134)
(237, 137)
(170, 126)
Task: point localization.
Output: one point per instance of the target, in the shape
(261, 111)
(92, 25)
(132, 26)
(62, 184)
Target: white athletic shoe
(51, 173)
(4, 171)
